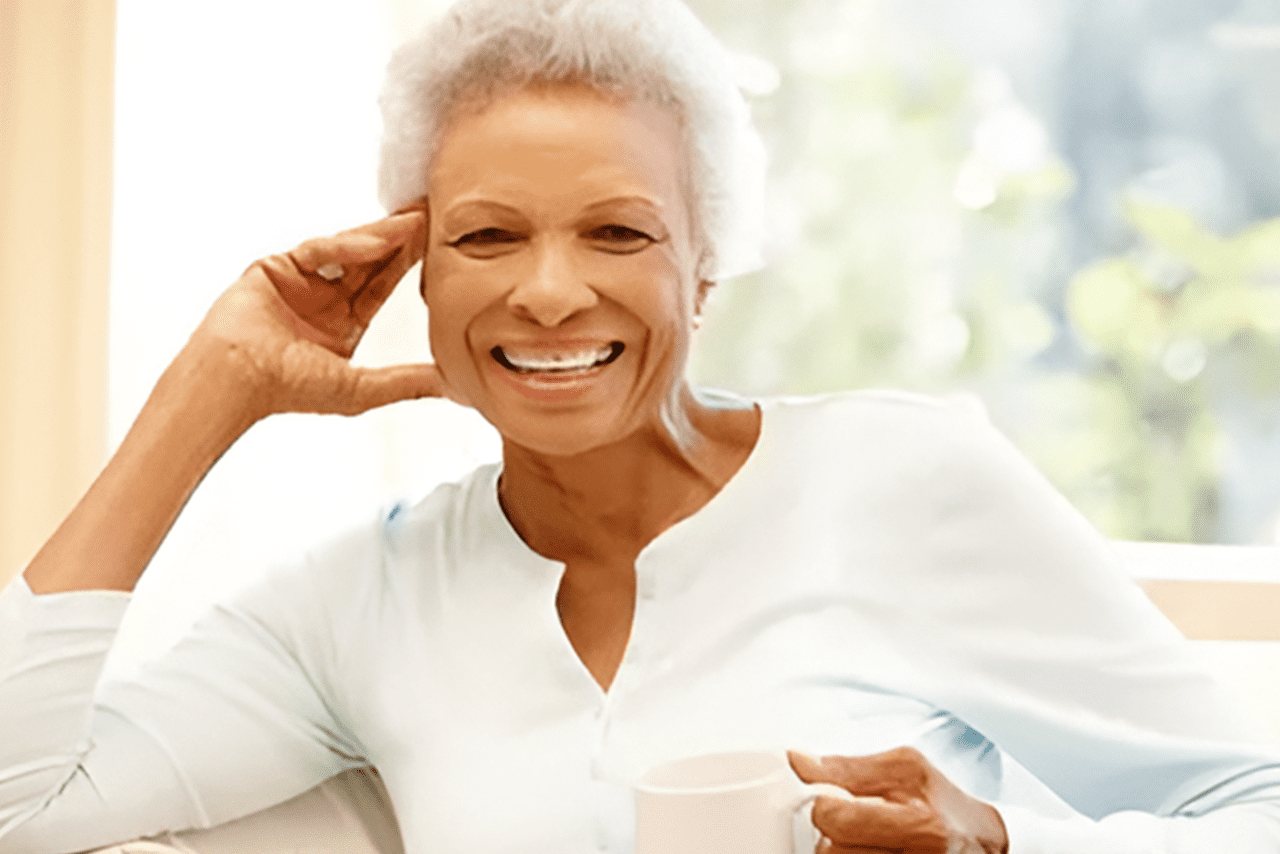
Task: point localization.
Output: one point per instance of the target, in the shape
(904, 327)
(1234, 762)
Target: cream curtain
(56, 71)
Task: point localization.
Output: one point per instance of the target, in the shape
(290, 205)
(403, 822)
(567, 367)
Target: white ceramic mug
(726, 803)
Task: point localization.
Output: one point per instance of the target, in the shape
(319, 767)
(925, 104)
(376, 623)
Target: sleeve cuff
(34, 621)
(1126, 832)
(87, 608)
(1024, 829)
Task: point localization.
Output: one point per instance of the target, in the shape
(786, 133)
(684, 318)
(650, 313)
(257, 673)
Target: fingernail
(803, 759)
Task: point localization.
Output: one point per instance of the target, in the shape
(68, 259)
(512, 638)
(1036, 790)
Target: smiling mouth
(558, 362)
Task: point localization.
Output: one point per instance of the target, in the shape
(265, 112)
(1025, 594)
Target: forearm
(197, 410)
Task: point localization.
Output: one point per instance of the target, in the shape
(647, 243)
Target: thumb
(808, 768)
(374, 387)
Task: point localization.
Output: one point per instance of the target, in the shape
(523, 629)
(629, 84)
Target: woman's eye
(486, 241)
(619, 238)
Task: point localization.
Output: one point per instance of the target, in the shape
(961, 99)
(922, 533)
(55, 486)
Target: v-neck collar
(735, 490)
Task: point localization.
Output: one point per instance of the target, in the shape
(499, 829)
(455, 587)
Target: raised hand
(278, 340)
(920, 811)
(292, 321)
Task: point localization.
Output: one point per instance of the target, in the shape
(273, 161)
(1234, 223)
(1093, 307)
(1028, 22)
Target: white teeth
(559, 361)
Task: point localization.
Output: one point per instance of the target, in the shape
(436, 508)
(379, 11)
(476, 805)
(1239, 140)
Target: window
(1070, 208)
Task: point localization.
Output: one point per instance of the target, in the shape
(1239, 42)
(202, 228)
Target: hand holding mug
(726, 803)
(920, 811)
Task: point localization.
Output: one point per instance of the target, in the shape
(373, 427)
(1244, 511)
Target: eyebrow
(644, 201)
(477, 203)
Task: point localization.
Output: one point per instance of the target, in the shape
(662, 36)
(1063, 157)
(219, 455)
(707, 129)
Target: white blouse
(884, 570)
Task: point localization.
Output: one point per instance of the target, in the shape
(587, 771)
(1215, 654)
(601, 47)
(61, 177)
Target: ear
(700, 298)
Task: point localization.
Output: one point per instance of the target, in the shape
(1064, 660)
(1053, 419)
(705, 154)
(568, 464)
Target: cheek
(455, 291)
(648, 285)
(652, 287)
(453, 301)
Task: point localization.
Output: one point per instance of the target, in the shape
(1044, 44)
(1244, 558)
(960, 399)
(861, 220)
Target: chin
(563, 434)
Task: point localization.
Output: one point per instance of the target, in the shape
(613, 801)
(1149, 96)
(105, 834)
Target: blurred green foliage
(905, 254)
(865, 233)
(1187, 323)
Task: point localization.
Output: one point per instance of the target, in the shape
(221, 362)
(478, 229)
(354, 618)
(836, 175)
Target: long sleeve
(968, 582)
(1055, 655)
(225, 724)
(1246, 828)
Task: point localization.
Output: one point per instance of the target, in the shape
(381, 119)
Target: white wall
(55, 204)
(244, 127)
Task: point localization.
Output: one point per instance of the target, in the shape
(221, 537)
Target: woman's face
(559, 266)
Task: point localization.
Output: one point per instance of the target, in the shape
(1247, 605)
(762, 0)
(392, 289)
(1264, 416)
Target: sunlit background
(1069, 207)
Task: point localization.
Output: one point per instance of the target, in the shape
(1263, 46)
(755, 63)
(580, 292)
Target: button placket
(611, 795)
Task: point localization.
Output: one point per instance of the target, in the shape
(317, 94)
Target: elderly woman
(652, 572)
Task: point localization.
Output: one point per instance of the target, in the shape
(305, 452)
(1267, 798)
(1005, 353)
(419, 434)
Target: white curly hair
(655, 51)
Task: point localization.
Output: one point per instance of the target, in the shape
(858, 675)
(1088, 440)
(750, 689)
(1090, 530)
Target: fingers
(416, 205)
(349, 250)
(826, 846)
(879, 824)
(807, 768)
(333, 286)
(300, 293)
(366, 263)
(902, 774)
(919, 810)
(381, 282)
(366, 245)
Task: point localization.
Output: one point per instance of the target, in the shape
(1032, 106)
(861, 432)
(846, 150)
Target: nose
(553, 291)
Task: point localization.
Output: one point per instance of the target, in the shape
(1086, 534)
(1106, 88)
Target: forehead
(560, 140)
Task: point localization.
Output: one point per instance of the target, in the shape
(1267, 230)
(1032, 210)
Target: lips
(553, 362)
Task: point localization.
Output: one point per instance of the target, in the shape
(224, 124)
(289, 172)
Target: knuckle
(908, 755)
(842, 766)
(910, 767)
(930, 832)
(274, 266)
(825, 812)
(835, 818)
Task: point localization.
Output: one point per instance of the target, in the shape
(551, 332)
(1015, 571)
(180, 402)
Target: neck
(603, 506)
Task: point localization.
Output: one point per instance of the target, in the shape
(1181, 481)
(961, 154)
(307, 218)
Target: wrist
(217, 380)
